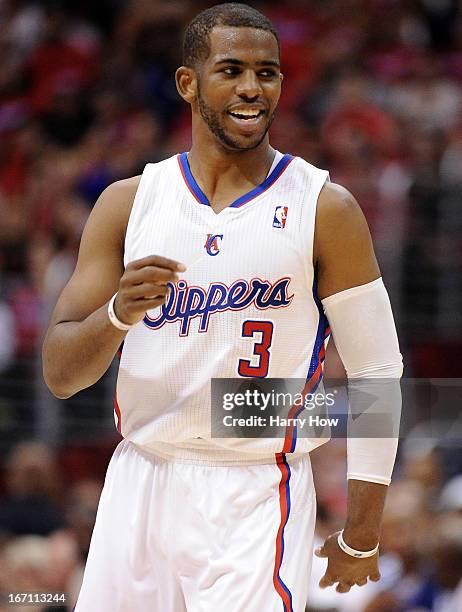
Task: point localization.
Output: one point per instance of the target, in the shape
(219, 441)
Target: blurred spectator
(442, 591)
(428, 98)
(65, 58)
(83, 498)
(450, 500)
(34, 491)
(421, 464)
(355, 126)
(39, 564)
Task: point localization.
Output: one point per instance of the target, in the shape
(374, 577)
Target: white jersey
(245, 307)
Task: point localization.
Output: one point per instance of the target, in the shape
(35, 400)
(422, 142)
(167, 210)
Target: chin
(242, 144)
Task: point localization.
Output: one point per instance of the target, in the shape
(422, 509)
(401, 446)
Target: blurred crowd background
(372, 92)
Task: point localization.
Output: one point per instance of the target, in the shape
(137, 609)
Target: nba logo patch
(280, 216)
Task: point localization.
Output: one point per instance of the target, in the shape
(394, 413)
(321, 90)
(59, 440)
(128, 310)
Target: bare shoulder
(108, 219)
(343, 251)
(339, 218)
(107, 224)
(125, 188)
(337, 207)
(116, 202)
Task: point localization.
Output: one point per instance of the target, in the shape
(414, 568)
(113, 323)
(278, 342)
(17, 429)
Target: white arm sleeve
(362, 324)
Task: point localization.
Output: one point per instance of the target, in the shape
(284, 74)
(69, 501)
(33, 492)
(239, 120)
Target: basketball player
(214, 263)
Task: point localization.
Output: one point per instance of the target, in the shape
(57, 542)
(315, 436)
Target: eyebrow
(237, 62)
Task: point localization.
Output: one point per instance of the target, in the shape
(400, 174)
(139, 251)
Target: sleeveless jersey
(246, 306)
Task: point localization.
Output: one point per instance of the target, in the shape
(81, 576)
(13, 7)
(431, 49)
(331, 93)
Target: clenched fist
(144, 286)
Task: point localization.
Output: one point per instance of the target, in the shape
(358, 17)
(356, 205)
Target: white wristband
(359, 554)
(113, 317)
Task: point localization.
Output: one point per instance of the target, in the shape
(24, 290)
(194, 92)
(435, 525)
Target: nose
(248, 87)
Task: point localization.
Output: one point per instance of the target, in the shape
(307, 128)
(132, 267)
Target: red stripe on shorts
(119, 416)
(284, 504)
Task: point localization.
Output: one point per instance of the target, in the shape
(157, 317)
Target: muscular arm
(81, 342)
(344, 258)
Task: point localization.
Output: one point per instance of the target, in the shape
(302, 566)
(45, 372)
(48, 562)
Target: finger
(148, 290)
(151, 274)
(343, 587)
(325, 582)
(375, 577)
(158, 261)
(155, 295)
(143, 303)
(151, 303)
(320, 552)
(361, 581)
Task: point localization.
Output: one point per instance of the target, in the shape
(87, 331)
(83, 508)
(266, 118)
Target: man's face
(239, 86)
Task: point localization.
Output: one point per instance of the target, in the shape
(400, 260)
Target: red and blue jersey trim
(315, 372)
(314, 377)
(200, 196)
(190, 181)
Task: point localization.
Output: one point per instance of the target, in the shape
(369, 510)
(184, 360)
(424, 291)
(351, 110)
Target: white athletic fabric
(362, 325)
(187, 522)
(257, 267)
(171, 537)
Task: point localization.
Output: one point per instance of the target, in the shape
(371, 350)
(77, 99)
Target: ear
(281, 76)
(186, 83)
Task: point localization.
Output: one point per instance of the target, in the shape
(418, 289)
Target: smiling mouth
(246, 115)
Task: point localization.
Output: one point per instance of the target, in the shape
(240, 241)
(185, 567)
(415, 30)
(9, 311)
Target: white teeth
(251, 114)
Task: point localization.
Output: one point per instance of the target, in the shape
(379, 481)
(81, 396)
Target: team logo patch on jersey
(211, 244)
(280, 216)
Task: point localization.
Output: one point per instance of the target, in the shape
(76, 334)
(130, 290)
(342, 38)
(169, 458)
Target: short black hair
(196, 42)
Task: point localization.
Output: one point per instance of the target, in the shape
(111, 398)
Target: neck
(211, 163)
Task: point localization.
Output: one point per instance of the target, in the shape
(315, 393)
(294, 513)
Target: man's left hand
(344, 569)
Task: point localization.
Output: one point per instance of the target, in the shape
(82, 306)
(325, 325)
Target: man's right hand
(143, 286)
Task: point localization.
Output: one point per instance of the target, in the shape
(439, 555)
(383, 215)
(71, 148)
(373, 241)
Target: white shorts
(171, 537)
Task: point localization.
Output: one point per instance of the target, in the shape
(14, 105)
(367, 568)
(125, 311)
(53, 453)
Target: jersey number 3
(260, 348)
